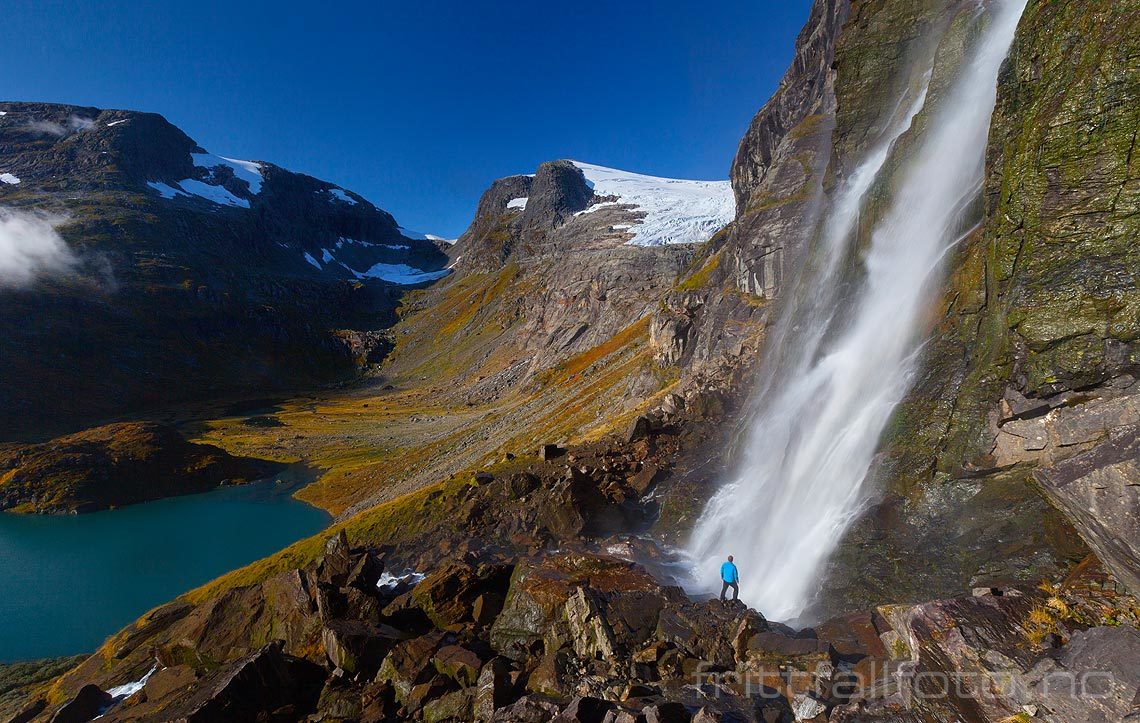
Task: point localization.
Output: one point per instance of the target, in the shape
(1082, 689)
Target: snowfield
(518, 202)
(676, 211)
(10, 179)
(192, 187)
(401, 274)
(340, 195)
(247, 171)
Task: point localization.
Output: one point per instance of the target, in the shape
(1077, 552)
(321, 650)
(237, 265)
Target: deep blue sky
(419, 105)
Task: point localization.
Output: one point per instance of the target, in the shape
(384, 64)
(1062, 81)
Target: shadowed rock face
(558, 191)
(115, 465)
(181, 297)
(1100, 491)
(488, 242)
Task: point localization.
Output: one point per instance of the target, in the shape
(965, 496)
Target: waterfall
(840, 361)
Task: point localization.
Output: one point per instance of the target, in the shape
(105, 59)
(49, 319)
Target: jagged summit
(571, 204)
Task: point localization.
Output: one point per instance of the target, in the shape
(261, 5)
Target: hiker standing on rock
(730, 578)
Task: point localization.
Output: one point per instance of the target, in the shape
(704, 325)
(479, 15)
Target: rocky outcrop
(585, 636)
(558, 191)
(115, 465)
(1100, 491)
(490, 239)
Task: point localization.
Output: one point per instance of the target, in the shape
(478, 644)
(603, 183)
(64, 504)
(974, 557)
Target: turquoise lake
(67, 582)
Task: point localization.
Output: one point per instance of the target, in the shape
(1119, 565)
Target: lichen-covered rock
(454, 707)
(546, 594)
(447, 596)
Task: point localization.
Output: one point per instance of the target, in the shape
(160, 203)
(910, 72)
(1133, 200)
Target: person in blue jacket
(731, 578)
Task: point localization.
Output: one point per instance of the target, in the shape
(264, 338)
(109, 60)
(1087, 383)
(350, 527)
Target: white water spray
(841, 363)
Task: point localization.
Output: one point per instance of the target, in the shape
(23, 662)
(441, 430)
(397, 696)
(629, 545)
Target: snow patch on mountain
(341, 196)
(400, 274)
(419, 236)
(247, 171)
(191, 187)
(519, 203)
(676, 211)
(9, 178)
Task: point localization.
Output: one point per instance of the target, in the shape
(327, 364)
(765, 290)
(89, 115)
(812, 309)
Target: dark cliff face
(806, 89)
(558, 192)
(718, 316)
(489, 241)
(229, 283)
(1037, 312)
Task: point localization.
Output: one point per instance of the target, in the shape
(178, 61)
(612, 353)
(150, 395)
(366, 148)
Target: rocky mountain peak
(559, 191)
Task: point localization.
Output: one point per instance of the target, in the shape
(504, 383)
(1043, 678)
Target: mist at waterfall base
(839, 362)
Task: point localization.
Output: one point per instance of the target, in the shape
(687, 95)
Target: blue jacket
(728, 572)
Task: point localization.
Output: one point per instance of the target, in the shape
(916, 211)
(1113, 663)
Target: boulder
(643, 480)
(584, 709)
(1095, 677)
(423, 693)
(334, 567)
(339, 701)
(520, 484)
(528, 709)
(409, 663)
(459, 664)
(855, 636)
(549, 676)
(550, 451)
(624, 599)
(356, 646)
(452, 708)
(806, 707)
(88, 703)
(447, 595)
(365, 572)
(708, 630)
(669, 712)
(640, 428)
(256, 685)
(494, 689)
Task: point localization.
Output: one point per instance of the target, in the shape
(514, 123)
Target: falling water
(842, 361)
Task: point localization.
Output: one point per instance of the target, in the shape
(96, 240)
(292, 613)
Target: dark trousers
(735, 589)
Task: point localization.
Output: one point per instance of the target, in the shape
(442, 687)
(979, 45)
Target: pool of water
(67, 582)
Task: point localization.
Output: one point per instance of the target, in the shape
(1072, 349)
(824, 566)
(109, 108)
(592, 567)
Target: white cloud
(74, 124)
(31, 249)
